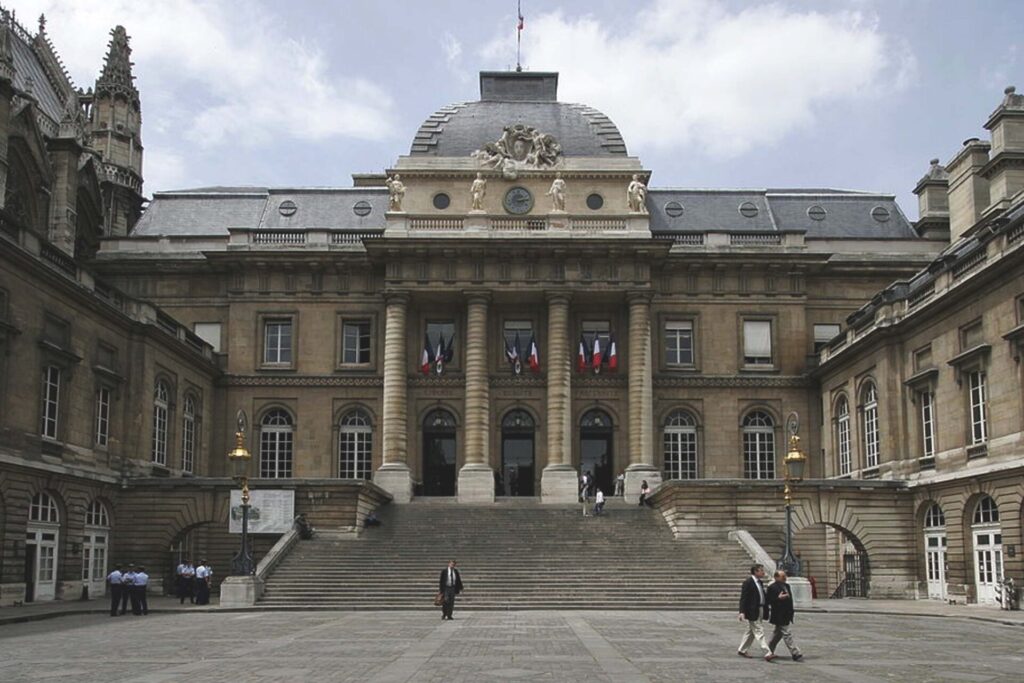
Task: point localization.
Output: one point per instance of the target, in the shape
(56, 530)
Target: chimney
(968, 188)
(933, 203)
(1005, 170)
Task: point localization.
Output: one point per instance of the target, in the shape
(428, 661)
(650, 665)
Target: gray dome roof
(508, 98)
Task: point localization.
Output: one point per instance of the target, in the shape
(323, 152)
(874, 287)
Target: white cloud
(689, 73)
(452, 48)
(240, 77)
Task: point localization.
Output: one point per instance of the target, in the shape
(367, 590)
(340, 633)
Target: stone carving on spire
(520, 146)
(6, 49)
(117, 68)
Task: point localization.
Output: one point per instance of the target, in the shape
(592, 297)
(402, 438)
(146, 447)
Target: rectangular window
(927, 425)
(679, 342)
(596, 328)
(523, 328)
(277, 342)
(56, 332)
(106, 357)
(845, 464)
(972, 335)
(188, 443)
(51, 401)
(923, 359)
(979, 424)
(757, 342)
(209, 333)
(355, 342)
(102, 417)
(823, 334)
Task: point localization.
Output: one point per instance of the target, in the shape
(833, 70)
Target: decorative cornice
(435, 381)
(521, 382)
(599, 381)
(733, 382)
(299, 381)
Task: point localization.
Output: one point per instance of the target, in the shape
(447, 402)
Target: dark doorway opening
(516, 477)
(439, 454)
(596, 454)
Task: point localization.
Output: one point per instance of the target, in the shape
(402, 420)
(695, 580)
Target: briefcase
(438, 599)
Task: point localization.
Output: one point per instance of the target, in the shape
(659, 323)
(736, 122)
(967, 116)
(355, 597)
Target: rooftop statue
(477, 191)
(557, 193)
(396, 192)
(520, 146)
(636, 195)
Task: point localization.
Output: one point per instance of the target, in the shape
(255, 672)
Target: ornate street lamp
(794, 473)
(239, 457)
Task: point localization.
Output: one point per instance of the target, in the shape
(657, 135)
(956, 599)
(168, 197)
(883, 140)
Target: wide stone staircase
(514, 554)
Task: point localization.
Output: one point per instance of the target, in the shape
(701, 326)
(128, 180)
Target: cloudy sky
(856, 94)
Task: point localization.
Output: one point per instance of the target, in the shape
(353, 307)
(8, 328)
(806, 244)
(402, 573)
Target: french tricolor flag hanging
(596, 358)
(581, 360)
(427, 359)
(534, 355)
(613, 354)
(441, 357)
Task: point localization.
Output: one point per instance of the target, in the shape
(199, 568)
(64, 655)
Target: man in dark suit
(780, 607)
(754, 608)
(449, 585)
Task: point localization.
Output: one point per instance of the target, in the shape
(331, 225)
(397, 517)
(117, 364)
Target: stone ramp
(516, 554)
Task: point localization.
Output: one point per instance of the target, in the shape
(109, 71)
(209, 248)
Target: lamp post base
(240, 591)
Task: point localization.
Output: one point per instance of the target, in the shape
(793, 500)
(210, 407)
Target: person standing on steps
(780, 615)
(645, 494)
(598, 502)
(449, 585)
(620, 485)
(753, 609)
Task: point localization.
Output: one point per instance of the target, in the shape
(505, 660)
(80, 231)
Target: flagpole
(519, 34)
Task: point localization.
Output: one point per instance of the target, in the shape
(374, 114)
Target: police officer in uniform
(114, 579)
(202, 583)
(186, 582)
(127, 582)
(141, 582)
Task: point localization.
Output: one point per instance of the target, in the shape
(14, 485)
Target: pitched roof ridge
(51, 62)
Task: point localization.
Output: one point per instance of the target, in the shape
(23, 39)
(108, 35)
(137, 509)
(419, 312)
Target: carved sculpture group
(520, 146)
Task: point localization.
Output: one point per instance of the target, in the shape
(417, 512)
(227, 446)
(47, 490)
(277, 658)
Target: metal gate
(855, 575)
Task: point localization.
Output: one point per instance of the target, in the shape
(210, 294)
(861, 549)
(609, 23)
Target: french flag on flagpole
(613, 354)
(596, 358)
(441, 357)
(427, 359)
(581, 361)
(534, 355)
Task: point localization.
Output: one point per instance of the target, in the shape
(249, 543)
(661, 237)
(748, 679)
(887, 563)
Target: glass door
(988, 564)
(935, 563)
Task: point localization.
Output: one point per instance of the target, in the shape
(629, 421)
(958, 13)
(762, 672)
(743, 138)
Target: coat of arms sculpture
(520, 146)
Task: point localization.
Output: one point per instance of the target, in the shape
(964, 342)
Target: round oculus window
(442, 201)
(816, 213)
(595, 201)
(880, 214)
(287, 208)
(748, 209)
(674, 209)
(362, 208)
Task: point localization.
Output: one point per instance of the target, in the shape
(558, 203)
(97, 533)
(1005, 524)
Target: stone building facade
(505, 307)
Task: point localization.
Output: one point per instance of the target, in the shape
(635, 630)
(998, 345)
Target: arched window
(188, 435)
(355, 446)
(870, 425)
(517, 420)
(758, 446)
(680, 447)
(97, 515)
(43, 509)
(843, 435)
(986, 511)
(161, 405)
(440, 420)
(276, 439)
(934, 518)
(595, 419)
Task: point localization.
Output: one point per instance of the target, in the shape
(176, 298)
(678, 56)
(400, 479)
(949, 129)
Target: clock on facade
(518, 200)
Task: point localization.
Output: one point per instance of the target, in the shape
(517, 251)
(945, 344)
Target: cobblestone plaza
(379, 647)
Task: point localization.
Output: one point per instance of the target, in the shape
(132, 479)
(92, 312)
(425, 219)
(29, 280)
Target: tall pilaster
(641, 403)
(393, 474)
(558, 481)
(476, 478)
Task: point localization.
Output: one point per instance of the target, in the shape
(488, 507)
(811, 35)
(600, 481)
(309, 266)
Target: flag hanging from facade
(533, 357)
(427, 359)
(512, 355)
(596, 357)
(613, 354)
(440, 358)
(584, 356)
(449, 349)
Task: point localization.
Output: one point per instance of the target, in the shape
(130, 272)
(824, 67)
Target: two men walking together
(774, 604)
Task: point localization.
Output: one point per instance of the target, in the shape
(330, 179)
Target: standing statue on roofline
(636, 195)
(477, 192)
(396, 192)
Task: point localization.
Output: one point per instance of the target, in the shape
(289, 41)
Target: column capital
(636, 297)
(396, 296)
(557, 295)
(477, 295)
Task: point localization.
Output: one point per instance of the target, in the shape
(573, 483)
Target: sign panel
(270, 511)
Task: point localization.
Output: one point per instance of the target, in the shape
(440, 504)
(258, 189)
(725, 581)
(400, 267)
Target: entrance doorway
(95, 541)
(988, 550)
(41, 537)
(596, 454)
(935, 552)
(439, 454)
(517, 455)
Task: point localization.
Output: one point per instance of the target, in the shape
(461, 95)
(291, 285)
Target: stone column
(476, 478)
(393, 475)
(641, 403)
(558, 481)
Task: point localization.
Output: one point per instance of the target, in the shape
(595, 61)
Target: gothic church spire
(117, 77)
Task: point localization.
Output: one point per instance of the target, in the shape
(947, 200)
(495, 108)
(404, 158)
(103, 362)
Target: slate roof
(209, 212)
(460, 129)
(27, 66)
(843, 214)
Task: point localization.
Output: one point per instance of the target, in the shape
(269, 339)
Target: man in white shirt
(128, 590)
(599, 502)
(114, 579)
(141, 584)
(186, 574)
(754, 608)
(203, 573)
